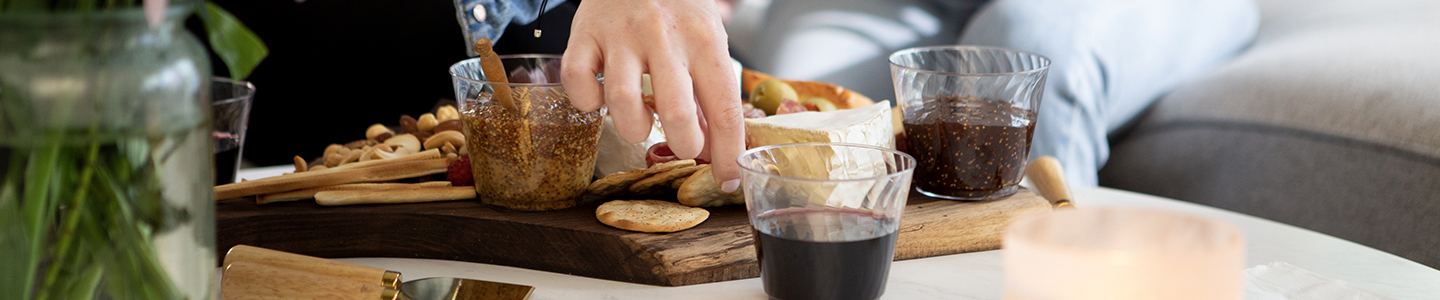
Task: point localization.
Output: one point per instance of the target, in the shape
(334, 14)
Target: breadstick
(496, 76)
(310, 193)
(427, 154)
(380, 171)
(414, 195)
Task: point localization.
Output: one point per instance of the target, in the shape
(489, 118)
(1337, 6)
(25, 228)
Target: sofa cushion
(1331, 121)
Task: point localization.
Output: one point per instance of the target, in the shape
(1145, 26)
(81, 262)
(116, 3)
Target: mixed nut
(439, 130)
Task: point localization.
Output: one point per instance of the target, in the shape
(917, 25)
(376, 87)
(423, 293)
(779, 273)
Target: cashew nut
(380, 152)
(446, 113)
(335, 154)
(403, 144)
(378, 133)
(354, 155)
(427, 122)
(454, 138)
(300, 164)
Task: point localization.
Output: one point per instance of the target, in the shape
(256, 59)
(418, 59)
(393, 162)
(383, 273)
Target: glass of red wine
(230, 107)
(969, 115)
(825, 217)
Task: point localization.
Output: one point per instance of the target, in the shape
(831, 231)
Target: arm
(488, 18)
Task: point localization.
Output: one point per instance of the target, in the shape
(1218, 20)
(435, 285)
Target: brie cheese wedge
(870, 125)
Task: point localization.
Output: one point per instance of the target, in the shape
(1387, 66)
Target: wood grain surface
(572, 241)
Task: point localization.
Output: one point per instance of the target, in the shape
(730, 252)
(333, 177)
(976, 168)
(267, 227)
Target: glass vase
(105, 157)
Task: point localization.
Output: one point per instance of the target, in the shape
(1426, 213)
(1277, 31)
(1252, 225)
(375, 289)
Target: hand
(682, 45)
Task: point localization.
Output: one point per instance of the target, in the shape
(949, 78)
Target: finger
(719, 98)
(578, 67)
(675, 102)
(622, 96)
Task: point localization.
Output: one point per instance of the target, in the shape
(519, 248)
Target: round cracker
(650, 215)
(700, 189)
(662, 181)
(667, 166)
(615, 183)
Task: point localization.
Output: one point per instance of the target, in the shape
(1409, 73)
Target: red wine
(829, 253)
(969, 148)
(227, 158)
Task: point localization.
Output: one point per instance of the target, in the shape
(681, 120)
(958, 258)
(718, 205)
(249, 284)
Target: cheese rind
(870, 125)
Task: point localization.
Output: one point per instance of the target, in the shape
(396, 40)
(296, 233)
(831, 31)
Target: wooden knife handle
(312, 265)
(1049, 178)
(248, 280)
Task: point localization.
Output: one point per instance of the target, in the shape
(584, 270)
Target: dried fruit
(659, 153)
(459, 172)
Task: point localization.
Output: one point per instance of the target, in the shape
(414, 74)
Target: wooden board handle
(248, 280)
(1048, 177)
(312, 265)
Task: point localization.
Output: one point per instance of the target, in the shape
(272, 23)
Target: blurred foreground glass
(537, 154)
(969, 114)
(1118, 253)
(825, 217)
(105, 157)
(230, 105)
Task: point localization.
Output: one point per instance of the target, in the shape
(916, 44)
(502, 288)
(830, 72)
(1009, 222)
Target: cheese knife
(258, 273)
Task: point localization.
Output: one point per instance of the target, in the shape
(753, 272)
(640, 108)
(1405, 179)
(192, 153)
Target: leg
(1109, 60)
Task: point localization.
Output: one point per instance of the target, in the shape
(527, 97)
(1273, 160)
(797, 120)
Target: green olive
(768, 95)
(819, 104)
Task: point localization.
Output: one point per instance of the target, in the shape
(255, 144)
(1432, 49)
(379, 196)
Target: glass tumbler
(825, 217)
(529, 148)
(969, 115)
(230, 105)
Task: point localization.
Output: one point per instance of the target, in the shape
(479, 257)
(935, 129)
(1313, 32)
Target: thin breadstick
(415, 195)
(496, 76)
(381, 171)
(517, 101)
(310, 193)
(422, 155)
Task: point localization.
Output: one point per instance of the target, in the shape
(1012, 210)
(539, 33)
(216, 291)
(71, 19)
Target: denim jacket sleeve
(488, 18)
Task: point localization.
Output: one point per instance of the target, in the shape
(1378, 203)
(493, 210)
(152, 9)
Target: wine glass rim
(249, 90)
(454, 69)
(1044, 62)
(907, 168)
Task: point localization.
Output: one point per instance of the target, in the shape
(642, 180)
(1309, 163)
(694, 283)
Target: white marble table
(978, 275)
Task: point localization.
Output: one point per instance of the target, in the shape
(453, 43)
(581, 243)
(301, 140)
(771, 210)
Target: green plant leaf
(240, 48)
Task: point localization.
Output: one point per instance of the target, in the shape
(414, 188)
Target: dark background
(337, 66)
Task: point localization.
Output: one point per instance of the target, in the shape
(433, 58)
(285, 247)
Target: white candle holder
(1122, 253)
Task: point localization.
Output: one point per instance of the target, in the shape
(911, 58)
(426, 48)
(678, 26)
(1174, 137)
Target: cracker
(619, 182)
(615, 183)
(702, 190)
(662, 181)
(667, 166)
(650, 215)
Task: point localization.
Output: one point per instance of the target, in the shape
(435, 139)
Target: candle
(1122, 253)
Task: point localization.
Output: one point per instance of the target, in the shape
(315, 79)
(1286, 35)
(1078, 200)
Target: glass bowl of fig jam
(529, 148)
(969, 115)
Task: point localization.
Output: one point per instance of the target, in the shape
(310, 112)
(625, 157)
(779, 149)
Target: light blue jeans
(1110, 59)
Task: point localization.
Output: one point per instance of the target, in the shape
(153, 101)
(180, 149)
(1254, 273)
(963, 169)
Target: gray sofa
(1330, 121)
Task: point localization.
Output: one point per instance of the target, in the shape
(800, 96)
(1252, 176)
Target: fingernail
(730, 186)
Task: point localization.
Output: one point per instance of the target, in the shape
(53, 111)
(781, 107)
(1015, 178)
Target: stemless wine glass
(230, 105)
(969, 114)
(825, 217)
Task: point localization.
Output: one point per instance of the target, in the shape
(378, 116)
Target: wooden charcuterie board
(571, 241)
